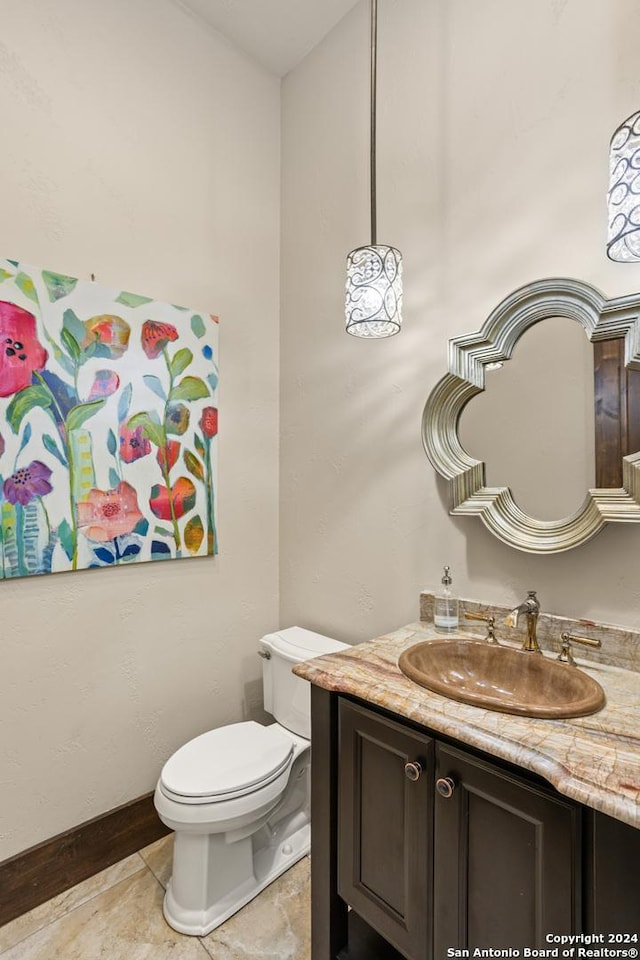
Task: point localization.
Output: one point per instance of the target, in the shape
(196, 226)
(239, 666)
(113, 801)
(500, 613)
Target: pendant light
(623, 199)
(373, 303)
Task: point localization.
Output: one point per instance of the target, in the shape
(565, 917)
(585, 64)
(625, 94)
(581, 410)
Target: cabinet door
(613, 877)
(507, 853)
(384, 827)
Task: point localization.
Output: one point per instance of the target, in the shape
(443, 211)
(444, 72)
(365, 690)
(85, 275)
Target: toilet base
(261, 868)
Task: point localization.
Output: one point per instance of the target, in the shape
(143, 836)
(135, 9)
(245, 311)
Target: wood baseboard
(41, 872)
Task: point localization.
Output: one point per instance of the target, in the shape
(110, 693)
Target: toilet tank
(287, 697)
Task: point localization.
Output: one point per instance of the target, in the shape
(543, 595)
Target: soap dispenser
(445, 608)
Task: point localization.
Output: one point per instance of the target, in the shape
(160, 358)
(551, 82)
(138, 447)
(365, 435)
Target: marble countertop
(594, 759)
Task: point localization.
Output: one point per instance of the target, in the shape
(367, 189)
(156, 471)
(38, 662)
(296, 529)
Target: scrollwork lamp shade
(623, 199)
(373, 302)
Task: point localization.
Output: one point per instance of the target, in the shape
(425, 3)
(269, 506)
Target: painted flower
(176, 418)
(183, 496)
(28, 483)
(107, 514)
(209, 421)
(105, 383)
(109, 336)
(155, 337)
(167, 456)
(133, 443)
(20, 350)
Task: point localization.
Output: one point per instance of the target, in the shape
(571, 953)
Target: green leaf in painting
(114, 479)
(197, 325)
(193, 535)
(151, 426)
(132, 299)
(181, 361)
(70, 344)
(112, 443)
(4, 275)
(24, 401)
(213, 381)
(66, 538)
(81, 412)
(75, 326)
(25, 283)
(199, 444)
(190, 388)
(162, 531)
(54, 450)
(155, 384)
(124, 403)
(193, 465)
(58, 286)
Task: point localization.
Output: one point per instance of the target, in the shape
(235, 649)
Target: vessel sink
(501, 678)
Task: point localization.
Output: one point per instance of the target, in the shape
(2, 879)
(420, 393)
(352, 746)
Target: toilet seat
(226, 763)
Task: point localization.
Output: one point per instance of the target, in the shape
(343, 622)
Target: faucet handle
(566, 656)
(490, 621)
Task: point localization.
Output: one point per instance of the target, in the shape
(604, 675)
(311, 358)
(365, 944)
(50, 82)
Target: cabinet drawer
(384, 826)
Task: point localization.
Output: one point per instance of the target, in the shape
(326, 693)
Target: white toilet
(238, 796)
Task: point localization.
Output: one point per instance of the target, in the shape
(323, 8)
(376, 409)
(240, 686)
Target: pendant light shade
(623, 242)
(373, 302)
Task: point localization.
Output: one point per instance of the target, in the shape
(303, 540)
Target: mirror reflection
(533, 423)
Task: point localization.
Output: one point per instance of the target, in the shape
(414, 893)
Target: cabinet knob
(412, 770)
(445, 787)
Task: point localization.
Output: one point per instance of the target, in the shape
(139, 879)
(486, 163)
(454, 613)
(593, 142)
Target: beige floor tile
(274, 926)
(29, 923)
(124, 922)
(158, 857)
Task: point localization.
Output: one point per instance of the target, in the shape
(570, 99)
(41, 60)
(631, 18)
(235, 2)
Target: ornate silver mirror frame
(602, 319)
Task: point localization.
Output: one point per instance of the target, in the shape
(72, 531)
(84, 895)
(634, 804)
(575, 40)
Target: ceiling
(276, 33)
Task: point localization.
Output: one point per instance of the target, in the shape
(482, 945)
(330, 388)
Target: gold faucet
(531, 608)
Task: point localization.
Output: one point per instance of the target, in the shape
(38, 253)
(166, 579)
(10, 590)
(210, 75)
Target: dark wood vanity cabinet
(427, 847)
(384, 826)
(506, 853)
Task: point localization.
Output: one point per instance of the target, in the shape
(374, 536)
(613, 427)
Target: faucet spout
(531, 608)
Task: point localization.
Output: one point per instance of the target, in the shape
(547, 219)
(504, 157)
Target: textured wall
(494, 123)
(139, 146)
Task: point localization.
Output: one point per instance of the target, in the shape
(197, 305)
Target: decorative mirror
(594, 468)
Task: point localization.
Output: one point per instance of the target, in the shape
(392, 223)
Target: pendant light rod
(372, 142)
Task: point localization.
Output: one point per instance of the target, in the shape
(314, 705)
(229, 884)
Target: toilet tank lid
(298, 644)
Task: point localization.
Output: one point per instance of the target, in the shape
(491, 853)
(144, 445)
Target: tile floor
(117, 915)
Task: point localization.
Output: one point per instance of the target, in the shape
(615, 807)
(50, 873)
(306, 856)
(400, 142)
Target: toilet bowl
(237, 797)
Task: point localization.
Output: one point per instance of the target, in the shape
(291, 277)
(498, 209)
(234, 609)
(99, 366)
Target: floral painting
(108, 426)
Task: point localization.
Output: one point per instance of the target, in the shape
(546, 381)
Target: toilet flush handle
(265, 654)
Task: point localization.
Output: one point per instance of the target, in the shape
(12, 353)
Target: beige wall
(494, 123)
(139, 146)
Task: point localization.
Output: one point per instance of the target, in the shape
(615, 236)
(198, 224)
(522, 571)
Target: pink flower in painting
(107, 514)
(133, 444)
(105, 383)
(109, 334)
(28, 483)
(209, 422)
(20, 350)
(155, 337)
(182, 496)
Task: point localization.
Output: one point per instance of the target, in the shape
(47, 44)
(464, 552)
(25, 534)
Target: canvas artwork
(108, 426)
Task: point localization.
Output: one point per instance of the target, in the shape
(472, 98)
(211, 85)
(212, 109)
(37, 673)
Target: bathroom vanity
(438, 826)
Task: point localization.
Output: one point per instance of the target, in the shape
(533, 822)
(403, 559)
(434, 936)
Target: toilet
(238, 796)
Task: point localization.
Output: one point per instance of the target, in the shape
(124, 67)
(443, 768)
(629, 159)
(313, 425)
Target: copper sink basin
(501, 678)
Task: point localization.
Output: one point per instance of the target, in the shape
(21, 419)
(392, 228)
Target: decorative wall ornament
(624, 192)
(108, 426)
(469, 356)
